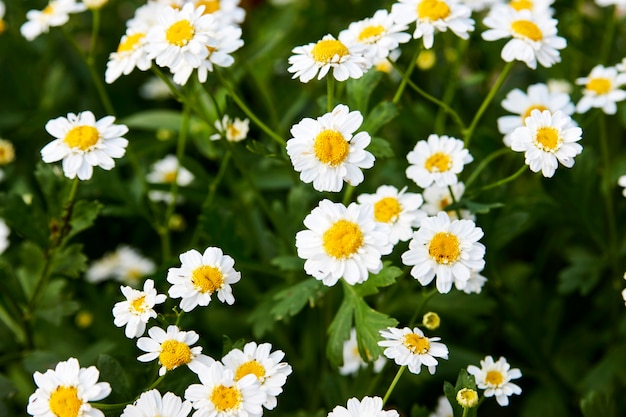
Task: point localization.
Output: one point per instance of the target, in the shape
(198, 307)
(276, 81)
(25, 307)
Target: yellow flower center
(207, 279)
(180, 33)
(371, 33)
(416, 344)
(599, 85)
(444, 248)
(82, 137)
(174, 353)
(251, 367)
(232, 132)
(225, 398)
(325, 50)
(138, 305)
(343, 239)
(527, 29)
(331, 147)
(169, 177)
(49, 9)
(548, 139)
(130, 42)
(64, 402)
(530, 110)
(7, 152)
(2, 26)
(386, 210)
(133, 274)
(210, 6)
(443, 203)
(433, 10)
(438, 162)
(521, 4)
(494, 378)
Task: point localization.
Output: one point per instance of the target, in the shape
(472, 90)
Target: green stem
(465, 411)
(457, 210)
(393, 383)
(330, 90)
(347, 197)
(173, 89)
(407, 74)
(95, 28)
(426, 296)
(451, 85)
(500, 182)
(484, 162)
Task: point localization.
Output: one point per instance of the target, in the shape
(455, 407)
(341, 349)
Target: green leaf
(359, 90)
(25, 220)
(154, 120)
(112, 372)
(339, 331)
(386, 277)
(260, 320)
(479, 208)
(597, 404)
(381, 114)
(84, 214)
(56, 303)
(32, 261)
(380, 148)
(69, 261)
(368, 323)
(582, 274)
(290, 301)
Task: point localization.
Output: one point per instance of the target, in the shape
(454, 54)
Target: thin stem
(95, 28)
(465, 411)
(500, 182)
(173, 89)
(407, 74)
(348, 195)
(426, 296)
(484, 162)
(330, 90)
(393, 383)
(457, 210)
(451, 85)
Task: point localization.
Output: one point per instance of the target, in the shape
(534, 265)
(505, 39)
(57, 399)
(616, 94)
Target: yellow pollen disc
(326, 49)
(416, 344)
(2, 26)
(548, 139)
(343, 239)
(64, 402)
(521, 4)
(232, 131)
(331, 147)
(599, 85)
(443, 203)
(251, 367)
(386, 210)
(174, 353)
(210, 6)
(130, 42)
(82, 137)
(438, 162)
(530, 109)
(138, 305)
(494, 378)
(527, 29)
(371, 32)
(169, 177)
(207, 279)
(433, 10)
(444, 248)
(48, 10)
(225, 398)
(180, 33)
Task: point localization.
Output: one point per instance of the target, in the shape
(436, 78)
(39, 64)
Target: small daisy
(227, 12)
(173, 349)
(534, 6)
(367, 407)
(446, 249)
(131, 53)
(7, 152)
(342, 242)
(534, 36)
(352, 360)
(443, 409)
(67, 390)
(260, 361)
(155, 88)
(495, 377)
(220, 395)
(125, 264)
(138, 308)
(235, 130)
(437, 160)
(474, 285)
(326, 153)
(602, 89)
(397, 209)
(201, 275)
(4, 236)
(150, 404)
(56, 13)
(437, 199)
(434, 15)
(347, 61)
(412, 348)
(166, 171)
(226, 40)
(82, 143)
(546, 140)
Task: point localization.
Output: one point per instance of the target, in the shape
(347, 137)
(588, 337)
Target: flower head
(495, 377)
(438, 199)
(431, 320)
(7, 152)
(125, 264)
(226, 12)
(602, 89)
(166, 171)
(367, 407)
(151, 403)
(56, 13)
(131, 53)
(234, 130)
(226, 40)
(467, 397)
(412, 348)
(352, 360)
(137, 309)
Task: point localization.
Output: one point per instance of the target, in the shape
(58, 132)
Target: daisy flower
(533, 36)
(443, 409)
(325, 152)
(474, 285)
(201, 275)
(4, 236)
(226, 40)
(138, 308)
(434, 15)
(437, 160)
(534, 6)
(67, 390)
(346, 61)
(131, 53)
(7, 152)
(352, 360)
(265, 365)
(82, 143)
(173, 349)
(367, 407)
(546, 140)
(446, 249)
(412, 348)
(397, 209)
(166, 171)
(602, 89)
(226, 12)
(495, 377)
(341, 242)
(437, 199)
(150, 404)
(125, 264)
(56, 13)
(537, 97)
(220, 395)
(235, 130)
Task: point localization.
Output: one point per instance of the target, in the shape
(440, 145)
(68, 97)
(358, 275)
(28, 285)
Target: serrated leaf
(25, 220)
(154, 120)
(369, 323)
(339, 330)
(381, 114)
(84, 215)
(360, 89)
(69, 261)
(290, 301)
(112, 372)
(597, 404)
(380, 148)
(386, 277)
(583, 272)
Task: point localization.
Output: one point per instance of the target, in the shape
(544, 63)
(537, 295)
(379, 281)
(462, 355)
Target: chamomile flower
(67, 390)
(56, 13)
(432, 16)
(367, 407)
(226, 40)
(201, 275)
(438, 199)
(446, 249)
(438, 160)
(326, 153)
(474, 285)
(220, 395)
(265, 365)
(173, 349)
(151, 403)
(82, 143)
(137, 309)
(342, 242)
(4, 236)
(602, 89)
(546, 140)
(131, 53)
(537, 97)
(352, 360)
(316, 59)
(397, 209)
(495, 377)
(166, 171)
(443, 409)
(226, 12)
(234, 130)
(534, 6)
(412, 348)
(533, 36)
